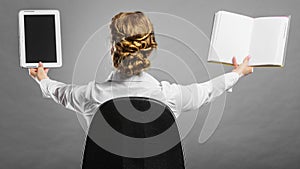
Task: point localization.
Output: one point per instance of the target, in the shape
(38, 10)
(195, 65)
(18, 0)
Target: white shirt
(86, 99)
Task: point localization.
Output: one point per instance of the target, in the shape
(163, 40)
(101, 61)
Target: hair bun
(134, 64)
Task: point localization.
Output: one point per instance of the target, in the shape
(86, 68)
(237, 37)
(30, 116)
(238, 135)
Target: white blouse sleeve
(189, 97)
(74, 97)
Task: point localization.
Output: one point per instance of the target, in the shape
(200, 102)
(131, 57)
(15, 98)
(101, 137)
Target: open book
(263, 38)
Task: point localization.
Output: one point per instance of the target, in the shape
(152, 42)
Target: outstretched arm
(189, 97)
(73, 97)
(218, 85)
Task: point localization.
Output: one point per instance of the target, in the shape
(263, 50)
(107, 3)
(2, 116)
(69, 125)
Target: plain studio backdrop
(260, 127)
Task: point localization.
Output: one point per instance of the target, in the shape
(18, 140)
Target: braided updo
(132, 42)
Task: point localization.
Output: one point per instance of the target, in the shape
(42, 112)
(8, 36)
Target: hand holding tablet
(39, 73)
(40, 38)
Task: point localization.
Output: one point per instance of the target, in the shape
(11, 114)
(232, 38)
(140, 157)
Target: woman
(133, 40)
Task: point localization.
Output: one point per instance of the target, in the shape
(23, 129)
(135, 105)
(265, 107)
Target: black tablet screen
(40, 40)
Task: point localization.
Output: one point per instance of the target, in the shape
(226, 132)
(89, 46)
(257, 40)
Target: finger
(234, 62)
(246, 59)
(250, 70)
(29, 71)
(41, 67)
(46, 70)
(33, 69)
(32, 72)
(40, 64)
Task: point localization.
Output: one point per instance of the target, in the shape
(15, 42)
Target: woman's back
(132, 42)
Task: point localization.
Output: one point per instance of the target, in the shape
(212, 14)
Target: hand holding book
(244, 68)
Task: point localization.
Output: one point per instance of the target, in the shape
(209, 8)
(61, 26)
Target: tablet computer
(40, 38)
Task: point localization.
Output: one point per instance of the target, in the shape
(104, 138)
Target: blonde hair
(132, 38)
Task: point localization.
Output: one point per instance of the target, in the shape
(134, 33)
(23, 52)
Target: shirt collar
(142, 77)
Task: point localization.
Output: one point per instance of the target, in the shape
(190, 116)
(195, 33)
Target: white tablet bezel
(22, 49)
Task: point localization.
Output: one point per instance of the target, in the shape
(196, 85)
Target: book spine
(212, 51)
(287, 32)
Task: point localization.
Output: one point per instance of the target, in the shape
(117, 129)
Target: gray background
(259, 129)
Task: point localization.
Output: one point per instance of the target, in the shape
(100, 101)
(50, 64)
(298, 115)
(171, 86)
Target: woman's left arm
(193, 96)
